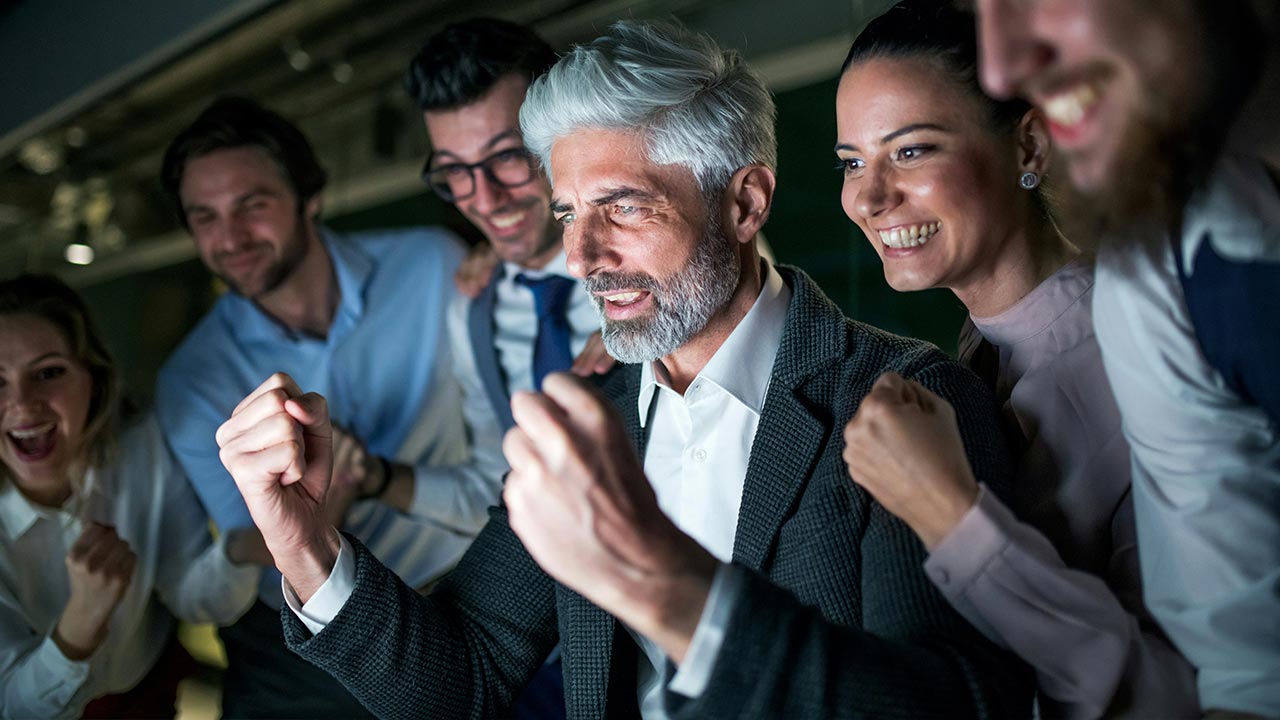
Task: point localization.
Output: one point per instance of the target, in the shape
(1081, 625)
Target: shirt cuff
(69, 674)
(324, 606)
(694, 673)
(971, 545)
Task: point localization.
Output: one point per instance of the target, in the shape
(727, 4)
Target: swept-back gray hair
(696, 105)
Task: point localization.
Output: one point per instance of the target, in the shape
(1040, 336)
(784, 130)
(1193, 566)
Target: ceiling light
(342, 72)
(40, 155)
(298, 58)
(76, 137)
(78, 254)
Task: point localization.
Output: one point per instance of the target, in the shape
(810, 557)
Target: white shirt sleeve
(324, 606)
(41, 682)
(690, 680)
(1206, 475)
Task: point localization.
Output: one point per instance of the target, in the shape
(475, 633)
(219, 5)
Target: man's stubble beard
(1169, 152)
(278, 272)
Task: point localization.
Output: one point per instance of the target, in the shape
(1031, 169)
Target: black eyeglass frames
(510, 168)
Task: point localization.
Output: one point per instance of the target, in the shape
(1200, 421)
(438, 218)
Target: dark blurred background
(93, 91)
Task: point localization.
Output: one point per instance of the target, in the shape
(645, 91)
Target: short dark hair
(51, 300)
(236, 122)
(462, 61)
(934, 30)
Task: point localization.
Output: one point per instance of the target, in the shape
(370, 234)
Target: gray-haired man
(745, 577)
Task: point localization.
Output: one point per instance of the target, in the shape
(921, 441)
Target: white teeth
(502, 222)
(909, 236)
(623, 298)
(28, 433)
(1068, 108)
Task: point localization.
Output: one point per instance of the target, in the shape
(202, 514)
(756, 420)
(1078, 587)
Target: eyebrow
(256, 192)
(914, 127)
(508, 134)
(49, 355)
(609, 197)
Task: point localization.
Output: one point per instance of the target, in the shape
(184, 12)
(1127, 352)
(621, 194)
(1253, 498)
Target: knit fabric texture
(838, 619)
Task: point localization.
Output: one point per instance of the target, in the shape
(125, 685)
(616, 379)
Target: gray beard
(683, 303)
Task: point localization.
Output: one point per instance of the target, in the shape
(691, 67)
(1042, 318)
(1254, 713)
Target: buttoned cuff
(971, 545)
(324, 606)
(693, 674)
(69, 674)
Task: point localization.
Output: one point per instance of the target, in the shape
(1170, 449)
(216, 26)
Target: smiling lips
(506, 221)
(34, 442)
(623, 299)
(1070, 106)
(909, 236)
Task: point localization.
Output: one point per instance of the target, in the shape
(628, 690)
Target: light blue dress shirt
(385, 369)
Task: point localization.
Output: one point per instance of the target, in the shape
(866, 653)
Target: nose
(1010, 51)
(489, 195)
(877, 193)
(231, 233)
(587, 248)
(19, 393)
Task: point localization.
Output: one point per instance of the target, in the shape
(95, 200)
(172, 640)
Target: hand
(277, 445)
(353, 470)
(903, 447)
(472, 276)
(99, 570)
(579, 501)
(594, 359)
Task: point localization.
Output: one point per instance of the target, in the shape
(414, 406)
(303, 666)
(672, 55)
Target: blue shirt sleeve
(190, 421)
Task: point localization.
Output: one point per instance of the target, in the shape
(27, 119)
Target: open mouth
(35, 442)
(625, 298)
(909, 236)
(623, 304)
(1068, 108)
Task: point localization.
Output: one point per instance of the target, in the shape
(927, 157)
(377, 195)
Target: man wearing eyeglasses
(529, 317)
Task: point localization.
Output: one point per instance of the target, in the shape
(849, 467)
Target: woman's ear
(1034, 145)
(749, 198)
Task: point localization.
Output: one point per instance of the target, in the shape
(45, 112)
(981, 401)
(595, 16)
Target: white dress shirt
(178, 570)
(461, 494)
(695, 458)
(1206, 462)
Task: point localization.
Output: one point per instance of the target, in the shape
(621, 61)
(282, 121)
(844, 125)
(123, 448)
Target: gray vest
(480, 328)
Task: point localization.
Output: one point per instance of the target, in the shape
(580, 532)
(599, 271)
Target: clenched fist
(278, 446)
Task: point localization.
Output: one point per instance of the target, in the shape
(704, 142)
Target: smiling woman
(943, 181)
(94, 575)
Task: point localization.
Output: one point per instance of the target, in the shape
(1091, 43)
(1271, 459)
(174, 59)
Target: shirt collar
(352, 266)
(18, 514)
(743, 364)
(1236, 209)
(557, 266)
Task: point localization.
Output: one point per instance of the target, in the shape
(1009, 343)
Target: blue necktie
(551, 302)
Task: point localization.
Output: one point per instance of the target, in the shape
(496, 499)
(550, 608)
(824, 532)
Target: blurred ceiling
(78, 168)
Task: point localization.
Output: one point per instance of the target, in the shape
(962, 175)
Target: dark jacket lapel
(789, 437)
(592, 638)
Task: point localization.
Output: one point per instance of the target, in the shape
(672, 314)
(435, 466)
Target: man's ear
(1034, 146)
(747, 201)
(313, 206)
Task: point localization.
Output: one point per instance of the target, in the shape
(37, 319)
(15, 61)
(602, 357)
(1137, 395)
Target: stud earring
(1029, 180)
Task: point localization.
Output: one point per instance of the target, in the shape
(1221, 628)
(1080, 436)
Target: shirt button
(700, 455)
